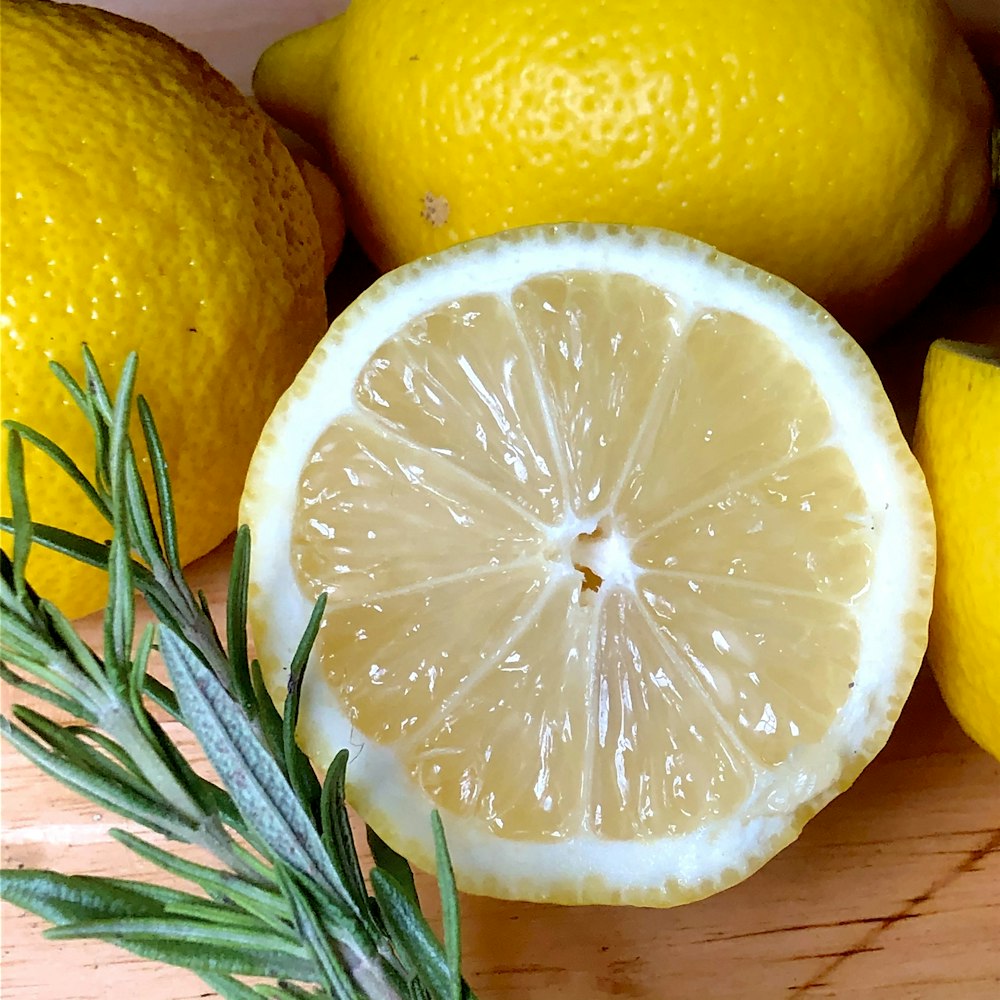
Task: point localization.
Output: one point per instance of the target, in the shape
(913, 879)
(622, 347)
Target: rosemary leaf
(74, 649)
(266, 903)
(24, 644)
(197, 945)
(338, 837)
(48, 447)
(109, 794)
(137, 684)
(67, 705)
(412, 936)
(297, 766)
(97, 397)
(236, 621)
(161, 483)
(336, 977)
(229, 988)
(206, 911)
(70, 899)
(203, 794)
(161, 695)
(72, 743)
(394, 865)
(271, 724)
(75, 390)
(292, 991)
(249, 773)
(120, 622)
(78, 547)
(21, 512)
(449, 907)
(144, 538)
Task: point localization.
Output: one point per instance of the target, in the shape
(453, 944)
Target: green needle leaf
(449, 907)
(338, 837)
(412, 936)
(197, 945)
(161, 482)
(297, 765)
(229, 988)
(22, 515)
(265, 903)
(67, 899)
(236, 621)
(110, 794)
(271, 724)
(48, 447)
(250, 774)
(394, 865)
(67, 705)
(335, 976)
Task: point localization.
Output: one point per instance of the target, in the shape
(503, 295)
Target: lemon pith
(146, 206)
(607, 562)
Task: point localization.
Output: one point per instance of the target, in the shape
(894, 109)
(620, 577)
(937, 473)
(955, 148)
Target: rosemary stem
(290, 902)
(205, 830)
(116, 720)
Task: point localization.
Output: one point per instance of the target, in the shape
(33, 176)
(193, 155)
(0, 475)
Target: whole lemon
(843, 144)
(146, 205)
(957, 441)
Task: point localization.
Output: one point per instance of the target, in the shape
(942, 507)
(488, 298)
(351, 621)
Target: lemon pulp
(591, 559)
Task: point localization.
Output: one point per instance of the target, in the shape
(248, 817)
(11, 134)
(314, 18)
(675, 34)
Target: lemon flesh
(606, 548)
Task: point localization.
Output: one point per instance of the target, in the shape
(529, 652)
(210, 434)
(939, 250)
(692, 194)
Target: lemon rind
(893, 617)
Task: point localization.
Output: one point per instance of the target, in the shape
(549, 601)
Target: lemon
(843, 145)
(957, 441)
(146, 205)
(326, 201)
(628, 564)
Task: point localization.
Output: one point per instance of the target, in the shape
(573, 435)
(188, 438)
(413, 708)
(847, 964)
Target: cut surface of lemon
(628, 565)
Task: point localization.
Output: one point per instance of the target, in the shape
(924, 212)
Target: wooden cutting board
(891, 893)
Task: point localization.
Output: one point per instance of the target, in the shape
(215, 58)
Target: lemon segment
(628, 566)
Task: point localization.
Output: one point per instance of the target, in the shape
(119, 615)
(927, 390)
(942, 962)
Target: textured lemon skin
(841, 145)
(146, 206)
(957, 441)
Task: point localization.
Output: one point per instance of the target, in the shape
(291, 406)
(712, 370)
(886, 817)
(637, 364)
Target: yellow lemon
(146, 205)
(326, 201)
(628, 566)
(957, 441)
(843, 144)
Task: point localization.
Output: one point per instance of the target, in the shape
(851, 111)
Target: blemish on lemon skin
(435, 209)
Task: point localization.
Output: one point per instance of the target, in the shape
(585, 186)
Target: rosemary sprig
(285, 900)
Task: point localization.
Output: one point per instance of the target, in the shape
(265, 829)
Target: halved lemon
(629, 567)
